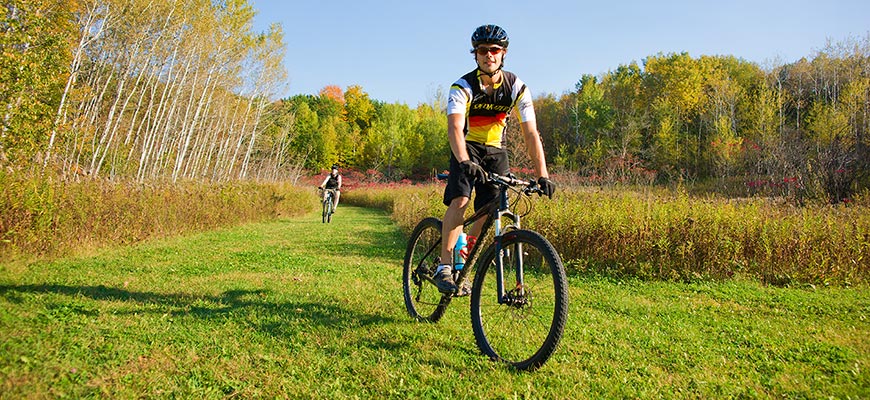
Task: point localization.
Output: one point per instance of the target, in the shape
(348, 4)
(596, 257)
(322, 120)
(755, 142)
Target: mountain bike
(328, 205)
(519, 323)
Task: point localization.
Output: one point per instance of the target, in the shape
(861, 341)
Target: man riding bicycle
(477, 112)
(333, 183)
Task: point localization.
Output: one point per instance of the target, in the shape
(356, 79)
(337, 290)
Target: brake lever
(532, 188)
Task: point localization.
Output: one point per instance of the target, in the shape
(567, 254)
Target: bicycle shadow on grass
(256, 308)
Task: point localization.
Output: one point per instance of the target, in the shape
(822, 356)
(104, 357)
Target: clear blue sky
(403, 51)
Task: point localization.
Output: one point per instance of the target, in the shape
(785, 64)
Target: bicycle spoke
(524, 329)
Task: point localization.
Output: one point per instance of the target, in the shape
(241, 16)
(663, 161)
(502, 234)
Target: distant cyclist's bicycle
(328, 205)
(518, 322)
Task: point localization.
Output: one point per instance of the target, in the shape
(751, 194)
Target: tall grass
(44, 217)
(667, 234)
(407, 203)
(675, 236)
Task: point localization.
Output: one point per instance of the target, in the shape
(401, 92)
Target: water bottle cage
(458, 260)
(471, 241)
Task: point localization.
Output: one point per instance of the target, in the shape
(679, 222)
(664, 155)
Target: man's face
(489, 57)
(334, 171)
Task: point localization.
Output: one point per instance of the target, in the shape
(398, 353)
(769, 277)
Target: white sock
(441, 267)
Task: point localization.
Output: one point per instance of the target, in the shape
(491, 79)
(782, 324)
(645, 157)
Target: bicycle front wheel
(422, 299)
(325, 211)
(524, 327)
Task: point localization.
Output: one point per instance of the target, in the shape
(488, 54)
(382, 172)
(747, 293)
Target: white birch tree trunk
(89, 19)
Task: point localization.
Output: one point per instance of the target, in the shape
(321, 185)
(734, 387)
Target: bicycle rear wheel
(422, 299)
(524, 329)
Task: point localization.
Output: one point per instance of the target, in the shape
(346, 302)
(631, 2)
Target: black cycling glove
(547, 186)
(473, 170)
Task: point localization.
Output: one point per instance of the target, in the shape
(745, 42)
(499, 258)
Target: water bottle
(458, 261)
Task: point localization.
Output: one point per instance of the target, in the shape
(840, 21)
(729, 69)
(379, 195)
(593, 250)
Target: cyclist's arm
(456, 135)
(324, 181)
(535, 148)
(457, 106)
(339, 183)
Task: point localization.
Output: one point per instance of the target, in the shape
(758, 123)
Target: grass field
(293, 308)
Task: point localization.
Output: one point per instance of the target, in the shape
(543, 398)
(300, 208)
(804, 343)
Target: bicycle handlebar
(530, 186)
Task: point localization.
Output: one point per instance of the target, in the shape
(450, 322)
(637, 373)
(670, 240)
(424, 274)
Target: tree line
(802, 127)
(349, 128)
(144, 90)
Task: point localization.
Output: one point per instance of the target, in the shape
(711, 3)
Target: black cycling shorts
(492, 159)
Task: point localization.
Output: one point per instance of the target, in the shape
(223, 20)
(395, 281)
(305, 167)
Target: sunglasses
(488, 50)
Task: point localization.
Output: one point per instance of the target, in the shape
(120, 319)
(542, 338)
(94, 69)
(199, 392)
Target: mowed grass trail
(294, 308)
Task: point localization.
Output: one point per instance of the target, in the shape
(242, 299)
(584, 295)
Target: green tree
(762, 130)
(359, 111)
(623, 93)
(392, 145)
(34, 61)
(834, 153)
(855, 102)
(593, 123)
(431, 132)
(547, 110)
(307, 140)
(665, 141)
(332, 126)
(674, 85)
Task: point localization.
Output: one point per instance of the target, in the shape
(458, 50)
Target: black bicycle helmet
(492, 34)
(334, 166)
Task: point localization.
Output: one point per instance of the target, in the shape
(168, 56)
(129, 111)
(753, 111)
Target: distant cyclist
(332, 182)
(478, 105)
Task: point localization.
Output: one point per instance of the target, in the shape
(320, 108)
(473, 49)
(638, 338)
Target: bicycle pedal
(463, 290)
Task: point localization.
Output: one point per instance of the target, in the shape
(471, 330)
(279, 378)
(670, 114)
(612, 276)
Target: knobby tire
(524, 334)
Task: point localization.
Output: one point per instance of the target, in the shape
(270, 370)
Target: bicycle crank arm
(431, 281)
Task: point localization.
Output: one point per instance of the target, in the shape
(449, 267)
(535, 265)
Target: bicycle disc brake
(519, 298)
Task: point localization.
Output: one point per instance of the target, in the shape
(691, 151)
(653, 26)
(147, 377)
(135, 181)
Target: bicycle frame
(493, 212)
(330, 195)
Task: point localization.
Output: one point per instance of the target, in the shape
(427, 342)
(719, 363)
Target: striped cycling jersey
(486, 115)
